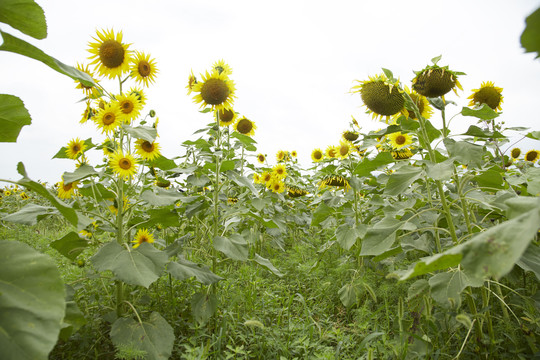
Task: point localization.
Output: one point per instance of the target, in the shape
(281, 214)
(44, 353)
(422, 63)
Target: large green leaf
(440, 171)
(400, 180)
(465, 152)
(380, 237)
(141, 266)
(184, 269)
(490, 178)
(267, 264)
(530, 260)
(484, 113)
(13, 116)
(74, 318)
(147, 133)
(234, 246)
(349, 294)
(162, 197)
(480, 133)
(366, 166)
(25, 16)
(446, 287)
(32, 302)
(70, 245)
(347, 235)
(21, 47)
(80, 173)
(30, 214)
(530, 38)
(203, 306)
(154, 337)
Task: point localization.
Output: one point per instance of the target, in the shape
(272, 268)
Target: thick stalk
(217, 157)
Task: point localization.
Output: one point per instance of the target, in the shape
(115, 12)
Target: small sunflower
(399, 140)
(192, 81)
(402, 154)
(266, 177)
(350, 135)
(282, 155)
(256, 178)
(279, 171)
(109, 147)
(109, 118)
(143, 69)
(317, 155)
(226, 117)
(130, 106)
(331, 152)
(245, 127)
(277, 186)
(422, 103)
(142, 236)
(66, 191)
(139, 93)
(222, 68)
(24, 196)
(231, 200)
(147, 150)
(90, 91)
(532, 155)
(381, 96)
(109, 54)
(294, 153)
(294, 191)
(125, 165)
(344, 149)
(261, 158)
(215, 90)
(435, 81)
(336, 181)
(515, 153)
(75, 148)
(487, 94)
(88, 113)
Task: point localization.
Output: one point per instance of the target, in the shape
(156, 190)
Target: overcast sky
(293, 63)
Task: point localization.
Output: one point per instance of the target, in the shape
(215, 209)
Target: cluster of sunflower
(11, 191)
(273, 179)
(530, 156)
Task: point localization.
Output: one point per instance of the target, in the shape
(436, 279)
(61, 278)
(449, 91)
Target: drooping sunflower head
(350, 135)
(226, 117)
(124, 165)
(402, 154)
(279, 171)
(142, 236)
(110, 54)
(532, 155)
(109, 118)
(515, 153)
(221, 67)
(317, 155)
(66, 190)
(435, 81)
(295, 191)
(245, 127)
(75, 148)
(487, 94)
(91, 91)
(344, 149)
(256, 178)
(147, 150)
(399, 140)
(335, 181)
(88, 113)
(381, 96)
(422, 103)
(282, 155)
(143, 69)
(215, 90)
(130, 106)
(261, 158)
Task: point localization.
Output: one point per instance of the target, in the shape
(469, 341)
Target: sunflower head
(532, 155)
(124, 165)
(279, 171)
(317, 155)
(515, 153)
(130, 106)
(142, 236)
(399, 140)
(245, 127)
(350, 135)
(435, 81)
(90, 91)
(295, 191)
(66, 190)
(331, 152)
(256, 178)
(215, 90)
(88, 113)
(282, 155)
(344, 149)
(143, 69)
(294, 154)
(402, 154)
(139, 93)
(261, 158)
(422, 103)
(221, 67)
(487, 94)
(147, 150)
(110, 54)
(276, 185)
(192, 81)
(75, 148)
(335, 181)
(109, 118)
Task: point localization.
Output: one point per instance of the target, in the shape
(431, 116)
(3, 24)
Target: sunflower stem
(216, 191)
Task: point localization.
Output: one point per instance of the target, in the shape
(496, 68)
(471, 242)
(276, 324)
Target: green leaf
(400, 180)
(440, 171)
(235, 247)
(163, 163)
(61, 154)
(534, 135)
(446, 288)
(25, 16)
(21, 47)
(162, 197)
(70, 245)
(465, 152)
(82, 172)
(30, 214)
(530, 260)
(203, 306)
(477, 132)
(141, 266)
(349, 294)
(243, 181)
(380, 237)
(530, 38)
(432, 132)
(429, 264)
(388, 73)
(147, 133)
(267, 264)
(13, 116)
(74, 318)
(484, 113)
(154, 337)
(321, 213)
(366, 166)
(32, 302)
(183, 269)
(490, 178)
(198, 180)
(347, 235)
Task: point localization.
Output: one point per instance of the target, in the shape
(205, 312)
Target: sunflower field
(410, 242)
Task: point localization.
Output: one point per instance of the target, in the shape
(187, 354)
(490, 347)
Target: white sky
(293, 63)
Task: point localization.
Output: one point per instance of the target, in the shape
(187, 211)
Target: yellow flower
(192, 81)
(130, 106)
(139, 93)
(317, 155)
(110, 55)
(142, 236)
(74, 148)
(109, 117)
(222, 68)
(336, 181)
(226, 117)
(402, 154)
(143, 69)
(90, 91)
(487, 94)
(277, 186)
(66, 191)
(147, 150)
(109, 147)
(245, 127)
(88, 113)
(422, 103)
(215, 90)
(344, 149)
(294, 153)
(266, 177)
(399, 140)
(532, 155)
(294, 191)
(515, 153)
(282, 155)
(279, 171)
(256, 178)
(24, 196)
(261, 158)
(125, 165)
(331, 152)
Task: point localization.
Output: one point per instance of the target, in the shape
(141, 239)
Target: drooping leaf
(429, 264)
(30, 214)
(366, 166)
(70, 245)
(82, 172)
(530, 38)
(446, 288)
(243, 181)
(153, 337)
(484, 113)
(203, 306)
(234, 246)
(147, 133)
(530, 260)
(490, 179)
(349, 294)
(25, 16)
(465, 152)
(534, 135)
(141, 266)
(162, 197)
(347, 235)
(321, 213)
(21, 47)
(440, 171)
(184, 269)
(267, 264)
(480, 133)
(380, 237)
(74, 318)
(13, 116)
(32, 302)
(163, 163)
(400, 180)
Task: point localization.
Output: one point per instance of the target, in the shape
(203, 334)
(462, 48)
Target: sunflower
(336, 181)
(350, 135)
(88, 113)
(294, 153)
(110, 55)
(109, 147)
(435, 81)
(402, 154)
(266, 177)
(66, 191)
(282, 155)
(487, 94)
(143, 69)
(130, 105)
(24, 196)
(222, 68)
(344, 149)
(231, 200)
(277, 186)
(74, 148)
(331, 152)
(422, 103)
(245, 127)
(90, 91)
(215, 90)
(532, 155)
(109, 118)
(125, 165)
(147, 150)
(294, 191)
(381, 96)
(142, 236)
(139, 93)
(192, 81)
(256, 178)
(515, 153)
(226, 117)
(317, 155)
(399, 140)
(279, 171)
(114, 206)
(261, 158)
